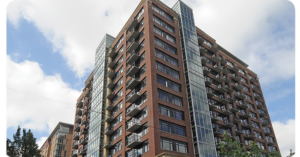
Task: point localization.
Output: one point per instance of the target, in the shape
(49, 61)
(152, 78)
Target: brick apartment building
(59, 142)
(163, 87)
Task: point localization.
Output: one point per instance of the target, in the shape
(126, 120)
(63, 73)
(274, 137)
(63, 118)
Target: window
(241, 71)
(166, 57)
(165, 45)
(117, 120)
(230, 64)
(169, 97)
(164, 34)
(118, 73)
(117, 96)
(243, 80)
(260, 145)
(116, 134)
(163, 13)
(118, 63)
(119, 42)
(117, 85)
(139, 150)
(258, 134)
(253, 115)
(245, 88)
(118, 53)
(173, 145)
(117, 147)
(255, 124)
(250, 106)
(248, 96)
(117, 108)
(168, 83)
(163, 24)
(165, 69)
(272, 148)
(139, 14)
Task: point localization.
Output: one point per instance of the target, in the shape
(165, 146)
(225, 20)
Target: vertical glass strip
(96, 131)
(202, 132)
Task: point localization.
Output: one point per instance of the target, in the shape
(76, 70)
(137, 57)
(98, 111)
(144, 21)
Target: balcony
(212, 106)
(132, 24)
(85, 103)
(111, 73)
(84, 121)
(110, 95)
(208, 80)
(107, 144)
(225, 111)
(228, 88)
(252, 79)
(132, 70)
(78, 119)
(251, 136)
(76, 136)
(206, 70)
(254, 88)
(215, 118)
(133, 110)
(74, 153)
(217, 68)
(249, 126)
(109, 106)
(77, 127)
(133, 46)
(245, 114)
(221, 89)
(202, 50)
(238, 86)
(222, 60)
(236, 77)
(132, 34)
(82, 152)
(88, 115)
(213, 49)
(86, 93)
(111, 52)
(111, 63)
(83, 131)
(110, 84)
(133, 82)
(242, 104)
(259, 104)
(215, 58)
(133, 124)
(133, 96)
(200, 40)
(219, 78)
(108, 130)
(270, 142)
(83, 141)
(230, 98)
(239, 131)
(85, 147)
(132, 58)
(217, 131)
(236, 120)
(267, 132)
(240, 95)
(210, 92)
(79, 104)
(264, 122)
(226, 79)
(75, 145)
(204, 60)
(229, 123)
(235, 68)
(133, 141)
(233, 108)
(109, 118)
(222, 99)
(79, 112)
(85, 112)
(257, 96)
(262, 113)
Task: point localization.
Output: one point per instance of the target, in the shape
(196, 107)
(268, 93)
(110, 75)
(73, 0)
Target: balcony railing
(133, 124)
(267, 131)
(257, 96)
(132, 34)
(75, 145)
(222, 99)
(133, 82)
(264, 122)
(74, 153)
(262, 113)
(226, 79)
(208, 80)
(204, 60)
(215, 118)
(206, 70)
(78, 119)
(221, 89)
(107, 144)
(217, 68)
(133, 141)
(240, 95)
(203, 50)
(238, 86)
(109, 118)
(225, 111)
(133, 45)
(111, 62)
(110, 83)
(215, 58)
(252, 79)
(242, 104)
(79, 111)
(254, 87)
(84, 131)
(219, 78)
(112, 52)
(111, 73)
(133, 110)
(132, 24)
(259, 104)
(132, 70)
(76, 136)
(210, 92)
(109, 106)
(233, 108)
(133, 57)
(228, 123)
(77, 127)
(133, 96)
(109, 130)
(110, 95)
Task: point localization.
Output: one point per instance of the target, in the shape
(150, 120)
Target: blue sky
(50, 54)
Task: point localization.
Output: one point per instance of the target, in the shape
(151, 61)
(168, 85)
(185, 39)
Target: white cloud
(243, 27)
(41, 141)
(285, 134)
(37, 101)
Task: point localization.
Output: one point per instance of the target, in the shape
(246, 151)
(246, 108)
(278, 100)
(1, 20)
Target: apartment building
(59, 142)
(163, 87)
(82, 119)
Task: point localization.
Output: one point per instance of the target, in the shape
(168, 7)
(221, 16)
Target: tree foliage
(25, 145)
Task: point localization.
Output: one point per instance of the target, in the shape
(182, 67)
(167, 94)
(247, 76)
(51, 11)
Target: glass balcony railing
(133, 140)
(133, 96)
(133, 110)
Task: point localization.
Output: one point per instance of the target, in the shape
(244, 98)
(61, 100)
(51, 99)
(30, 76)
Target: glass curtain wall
(202, 132)
(96, 132)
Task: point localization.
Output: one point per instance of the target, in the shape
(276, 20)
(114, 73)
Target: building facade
(163, 87)
(59, 142)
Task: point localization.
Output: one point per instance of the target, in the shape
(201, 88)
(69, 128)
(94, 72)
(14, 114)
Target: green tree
(231, 147)
(291, 153)
(25, 146)
(255, 151)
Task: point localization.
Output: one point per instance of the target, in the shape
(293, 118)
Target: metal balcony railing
(133, 124)
(133, 96)
(133, 141)
(133, 110)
